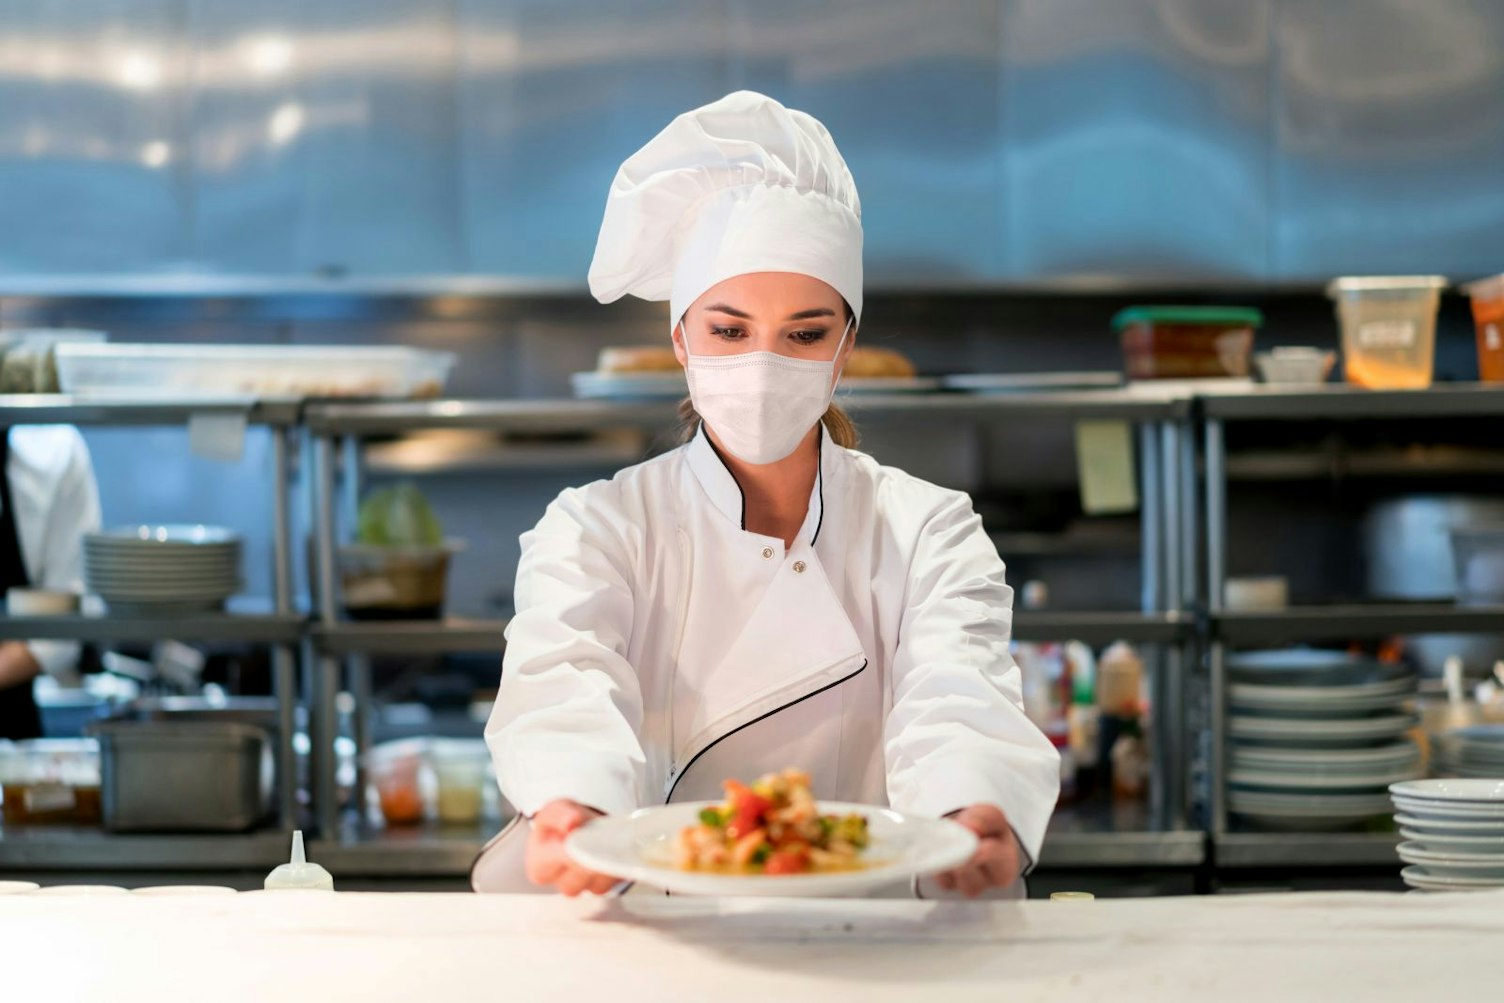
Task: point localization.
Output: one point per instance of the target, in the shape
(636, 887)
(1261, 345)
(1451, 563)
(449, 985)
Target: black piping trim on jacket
(819, 480)
(711, 443)
(756, 720)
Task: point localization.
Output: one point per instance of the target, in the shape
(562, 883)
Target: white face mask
(761, 404)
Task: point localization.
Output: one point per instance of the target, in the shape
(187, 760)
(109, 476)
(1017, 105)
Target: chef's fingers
(946, 880)
(971, 881)
(600, 884)
(997, 860)
(983, 819)
(574, 880)
(545, 860)
(561, 817)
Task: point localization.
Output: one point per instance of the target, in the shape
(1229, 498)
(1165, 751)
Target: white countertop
(280, 946)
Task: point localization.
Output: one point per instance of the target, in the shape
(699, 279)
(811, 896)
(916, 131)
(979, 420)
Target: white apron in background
(659, 648)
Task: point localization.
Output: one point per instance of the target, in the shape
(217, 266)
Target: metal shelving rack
(1164, 431)
(1313, 623)
(77, 849)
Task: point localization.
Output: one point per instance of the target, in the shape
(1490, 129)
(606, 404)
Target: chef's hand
(996, 863)
(546, 862)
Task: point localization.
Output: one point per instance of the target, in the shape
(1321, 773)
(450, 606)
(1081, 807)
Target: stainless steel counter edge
(269, 629)
(1341, 401)
(55, 409)
(1300, 849)
(570, 414)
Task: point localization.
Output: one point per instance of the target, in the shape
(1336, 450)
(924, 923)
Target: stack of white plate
(1475, 752)
(1454, 833)
(163, 570)
(1317, 738)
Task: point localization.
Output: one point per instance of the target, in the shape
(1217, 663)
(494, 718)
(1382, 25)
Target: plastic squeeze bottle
(298, 874)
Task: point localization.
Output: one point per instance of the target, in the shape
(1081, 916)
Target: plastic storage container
(1488, 315)
(50, 781)
(395, 771)
(1478, 552)
(1186, 342)
(256, 370)
(183, 776)
(459, 765)
(1388, 329)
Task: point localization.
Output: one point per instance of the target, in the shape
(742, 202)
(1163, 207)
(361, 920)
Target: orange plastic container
(1488, 314)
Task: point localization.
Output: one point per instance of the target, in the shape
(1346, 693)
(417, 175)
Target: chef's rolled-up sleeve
(57, 502)
(567, 712)
(957, 734)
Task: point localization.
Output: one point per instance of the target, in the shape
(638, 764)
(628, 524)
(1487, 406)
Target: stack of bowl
(1454, 833)
(1475, 752)
(1317, 737)
(163, 570)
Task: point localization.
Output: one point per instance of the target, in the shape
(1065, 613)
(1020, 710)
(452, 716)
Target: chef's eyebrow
(820, 311)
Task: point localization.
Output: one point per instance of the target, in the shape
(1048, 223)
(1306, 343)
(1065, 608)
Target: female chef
(763, 596)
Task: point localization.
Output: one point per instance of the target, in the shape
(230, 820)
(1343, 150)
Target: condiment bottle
(298, 874)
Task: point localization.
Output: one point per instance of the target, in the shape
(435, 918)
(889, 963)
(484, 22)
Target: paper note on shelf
(1104, 461)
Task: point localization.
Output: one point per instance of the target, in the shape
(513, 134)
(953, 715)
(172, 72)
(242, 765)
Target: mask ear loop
(840, 373)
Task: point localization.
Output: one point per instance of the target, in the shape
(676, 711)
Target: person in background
(48, 502)
(764, 596)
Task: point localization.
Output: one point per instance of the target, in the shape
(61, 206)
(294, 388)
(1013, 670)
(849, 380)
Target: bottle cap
(298, 873)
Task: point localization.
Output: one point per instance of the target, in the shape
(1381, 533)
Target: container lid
(1231, 316)
(1384, 284)
(1491, 288)
(298, 874)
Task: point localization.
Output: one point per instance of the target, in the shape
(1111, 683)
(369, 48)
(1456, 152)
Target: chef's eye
(728, 333)
(808, 337)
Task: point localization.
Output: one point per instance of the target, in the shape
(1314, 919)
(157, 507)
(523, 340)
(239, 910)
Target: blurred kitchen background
(387, 172)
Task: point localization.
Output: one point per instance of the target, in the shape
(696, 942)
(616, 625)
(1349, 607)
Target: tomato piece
(786, 862)
(748, 810)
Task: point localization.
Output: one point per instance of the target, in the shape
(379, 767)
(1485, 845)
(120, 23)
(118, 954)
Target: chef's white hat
(740, 185)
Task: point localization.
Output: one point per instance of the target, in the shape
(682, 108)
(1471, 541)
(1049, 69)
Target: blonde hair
(837, 422)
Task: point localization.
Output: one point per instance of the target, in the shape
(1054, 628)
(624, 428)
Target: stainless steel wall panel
(92, 128)
(1389, 138)
(326, 137)
(1134, 138)
(554, 95)
(911, 93)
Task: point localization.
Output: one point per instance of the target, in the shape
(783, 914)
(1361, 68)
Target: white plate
(1476, 792)
(1326, 760)
(1315, 700)
(1446, 843)
(183, 891)
(1333, 732)
(1448, 809)
(1311, 667)
(640, 847)
(18, 887)
(1288, 781)
(1428, 880)
(1014, 383)
(1450, 826)
(635, 386)
(887, 385)
(1446, 861)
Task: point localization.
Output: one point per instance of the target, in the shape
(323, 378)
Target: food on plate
(637, 359)
(772, 827)
(878, 363)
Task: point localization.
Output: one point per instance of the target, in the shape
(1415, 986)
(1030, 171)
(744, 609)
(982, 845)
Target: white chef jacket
(57, 502)
(659, 647)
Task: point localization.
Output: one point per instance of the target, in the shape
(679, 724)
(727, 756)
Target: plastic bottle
(298, 874)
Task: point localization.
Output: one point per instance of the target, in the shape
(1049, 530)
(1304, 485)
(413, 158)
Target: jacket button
(767, 553)
(798, 567)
